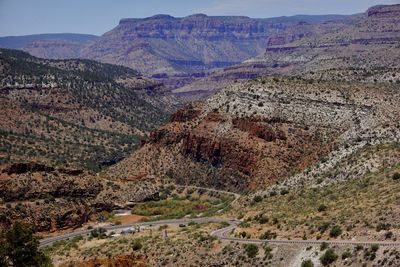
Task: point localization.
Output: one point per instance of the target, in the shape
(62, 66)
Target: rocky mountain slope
(77, 112)
(53, 199)
(256, 133)
(165, 44)
(367, 50)
(364, 49)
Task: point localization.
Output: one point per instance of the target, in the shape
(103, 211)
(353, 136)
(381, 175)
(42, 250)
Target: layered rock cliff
(254, 134)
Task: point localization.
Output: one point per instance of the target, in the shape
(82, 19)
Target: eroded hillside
(256, 133)
(77, 112)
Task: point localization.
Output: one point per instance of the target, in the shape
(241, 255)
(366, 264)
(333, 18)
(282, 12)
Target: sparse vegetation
(307, 263)
(180, 207)
(328, 257)
(335, 231)
(251, 250)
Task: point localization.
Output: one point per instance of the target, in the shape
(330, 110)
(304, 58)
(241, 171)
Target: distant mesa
(155, 17)
(384, 10)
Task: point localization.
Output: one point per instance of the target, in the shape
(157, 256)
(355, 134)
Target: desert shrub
(323, 227)
(257, 199)
(307, 263)
(268, 235)
(251, 250)
(261, 218)
(374, 247)
(322, 208)
(268, 252)
(370, 254)
(244, 224)
(284, 192)
(347, 254)
(382, 226)
(396, 176)
(335, 231)
(136, 245)
(98, 233)
(358, 248)
(324, 246)
(389, 235)
(328, 257)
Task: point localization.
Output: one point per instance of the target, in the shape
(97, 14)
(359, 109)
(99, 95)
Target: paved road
(222, 234)
(51, 240)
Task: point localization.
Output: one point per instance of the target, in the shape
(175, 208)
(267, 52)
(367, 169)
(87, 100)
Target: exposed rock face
(51, 199)
(194, 43)
(362, 48)
(255, 129)
(28, 186)
(365, 50)
(254, 134)
(19, 168)
(185, 114)
(384, 11)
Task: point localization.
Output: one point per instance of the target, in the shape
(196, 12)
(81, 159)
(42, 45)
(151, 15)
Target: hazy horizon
(97, 17)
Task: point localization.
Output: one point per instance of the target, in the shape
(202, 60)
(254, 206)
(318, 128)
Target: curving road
(50, 240)
(222, 234)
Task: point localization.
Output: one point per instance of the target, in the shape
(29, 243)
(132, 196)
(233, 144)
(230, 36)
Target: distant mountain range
(365, 48)
(19, 42)
(163, 44)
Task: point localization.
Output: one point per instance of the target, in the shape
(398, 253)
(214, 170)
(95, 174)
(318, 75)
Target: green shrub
(374, 247)
(98, 233)
(389, 235)
(257, 199)
(335, 231)
(347, 254)
(284, 192)
(324, 246)
(307, 263)
(323, 227)
(322, 208)
(268, 235)
(261, 218)
(251, 250)
(382, 226)
(358, 247)
(19, 247)
(328, 257)
(267, 252)
(136, 245)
